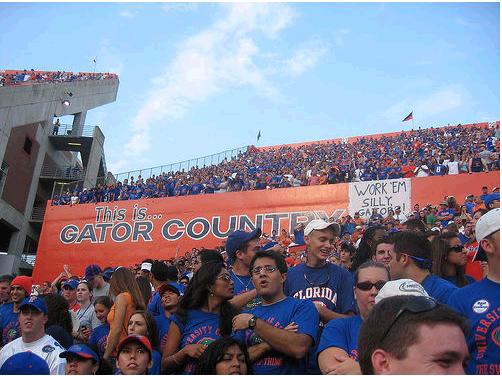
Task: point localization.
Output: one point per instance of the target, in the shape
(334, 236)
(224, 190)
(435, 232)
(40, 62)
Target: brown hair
(440, 250)
(124, 281)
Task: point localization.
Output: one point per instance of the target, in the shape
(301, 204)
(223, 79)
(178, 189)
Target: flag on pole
(409, 117)
(258, 136)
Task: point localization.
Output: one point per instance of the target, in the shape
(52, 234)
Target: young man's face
(320, 243)
(17, 294)
(76, 365)
(31, 320)
(383, 253)
(268, 284)
(4, 291)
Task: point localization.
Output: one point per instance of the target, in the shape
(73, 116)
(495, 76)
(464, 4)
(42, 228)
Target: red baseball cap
(142, 340)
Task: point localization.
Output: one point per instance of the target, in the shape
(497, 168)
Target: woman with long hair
(85, 315)
(99, 336)
(128, 299)
(142, 323)
(363, 253)
(449, 258)
(337, 351)
(59, 324)
(203, 315)
(226, 356)
(146, 289)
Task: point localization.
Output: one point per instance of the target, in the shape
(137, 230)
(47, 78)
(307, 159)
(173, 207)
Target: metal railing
(38, 213)
(3, 175)
(208, 160)
(67, 130)
(62, 172)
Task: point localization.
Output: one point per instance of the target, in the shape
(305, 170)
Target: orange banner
(126, 232)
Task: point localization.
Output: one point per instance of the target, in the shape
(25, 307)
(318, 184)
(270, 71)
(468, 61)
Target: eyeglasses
(224, 277)
(267, 268)
(367, 285)
(417, 304)
(457, 248)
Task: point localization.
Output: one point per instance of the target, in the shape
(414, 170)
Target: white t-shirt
(46, 347)
(452, 167)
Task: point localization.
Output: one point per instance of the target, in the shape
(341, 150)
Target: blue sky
(200, 78)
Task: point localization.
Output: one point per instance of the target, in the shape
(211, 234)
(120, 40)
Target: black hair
(197, 293)
(363, 253)
(208, 255)
(277, 257)
(172, 273)
(7, 278)
(104, 301)
(415, 225)
(414, 244)
(159, 271)
(57, 312)
(206, 364)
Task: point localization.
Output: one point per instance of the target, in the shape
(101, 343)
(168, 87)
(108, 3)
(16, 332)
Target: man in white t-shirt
(32, 319)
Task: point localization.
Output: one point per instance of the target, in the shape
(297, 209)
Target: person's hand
(292, 327)
(194, 350)
(85, 333)
(241, 321)
(347, 366)
(66, 269)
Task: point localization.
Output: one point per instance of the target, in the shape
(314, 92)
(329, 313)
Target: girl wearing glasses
(337, 351)
(203, 316)
(449, 258)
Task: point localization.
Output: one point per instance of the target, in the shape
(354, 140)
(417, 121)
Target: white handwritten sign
(381, 194)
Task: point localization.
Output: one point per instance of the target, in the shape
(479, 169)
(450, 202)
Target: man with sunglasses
(411, 258)
(480, 301)
(328, 286)
(280, 331)
(412, 335)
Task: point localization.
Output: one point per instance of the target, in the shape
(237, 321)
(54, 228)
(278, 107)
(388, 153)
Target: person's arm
(287, 342)
(336, 361)
(470, 166)
(239, 301)
(172, 359)
(116, 325)
(327, 314)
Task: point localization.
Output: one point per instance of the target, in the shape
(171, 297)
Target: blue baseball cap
(81, 351)
(71, 283)
(25, 363)
(175, 287)
(35, 302)
(491, 197)
(92, 270)
(237, 239)
(269, 245)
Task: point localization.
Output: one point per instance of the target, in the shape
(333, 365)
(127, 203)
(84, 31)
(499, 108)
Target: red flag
(409, 117)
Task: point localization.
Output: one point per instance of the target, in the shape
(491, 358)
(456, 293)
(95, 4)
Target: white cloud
(437, 102)
(339, 37)
(127, 13)
(305, 58)
(217, 59)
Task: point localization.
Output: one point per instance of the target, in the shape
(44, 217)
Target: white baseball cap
(400, 287)
(488, 224)
(146, 266)
(319, 224)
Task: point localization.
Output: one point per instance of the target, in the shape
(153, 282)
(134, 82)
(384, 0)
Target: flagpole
(95, 61)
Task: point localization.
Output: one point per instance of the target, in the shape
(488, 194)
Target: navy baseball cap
(81, 351)
(25, 363)
(35, 302)
(171, 286)
(491, 197)
(237, 239)
(269, 245)
(92, 270)
(71, 283)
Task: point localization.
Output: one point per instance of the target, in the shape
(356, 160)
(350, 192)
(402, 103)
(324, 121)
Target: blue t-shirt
(99, 337)
(156, 359)
(243, 284)
(9, 324)
(163, 327)
(299, 237)
(453, 280)
(342, 333)
(330, 284)
(438, 288)
(200, 327)
(446, 212)
(155, 305)
(279, 315)
(480, 303)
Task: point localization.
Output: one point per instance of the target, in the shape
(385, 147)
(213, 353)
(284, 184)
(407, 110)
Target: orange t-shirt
(130, 308)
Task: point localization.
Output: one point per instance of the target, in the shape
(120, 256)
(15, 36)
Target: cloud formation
(224, 56)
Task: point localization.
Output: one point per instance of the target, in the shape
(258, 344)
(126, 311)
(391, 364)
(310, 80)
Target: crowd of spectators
(418, 153)
(28, 77)
(227, 310)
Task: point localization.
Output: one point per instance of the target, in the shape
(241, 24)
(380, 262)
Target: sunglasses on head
(457, 248)
(367, 285)
(417, 304)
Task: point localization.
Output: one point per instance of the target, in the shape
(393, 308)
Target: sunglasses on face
(418, 304)
(457, 248)
(367, 285)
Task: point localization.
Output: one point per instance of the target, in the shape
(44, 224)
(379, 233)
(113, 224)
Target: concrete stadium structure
(35, 156)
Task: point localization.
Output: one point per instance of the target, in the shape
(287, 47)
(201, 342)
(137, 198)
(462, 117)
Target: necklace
(246, 285)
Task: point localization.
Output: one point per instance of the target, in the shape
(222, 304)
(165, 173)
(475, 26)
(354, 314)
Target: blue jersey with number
(480, 303)
(342, 333)
(280, 315)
